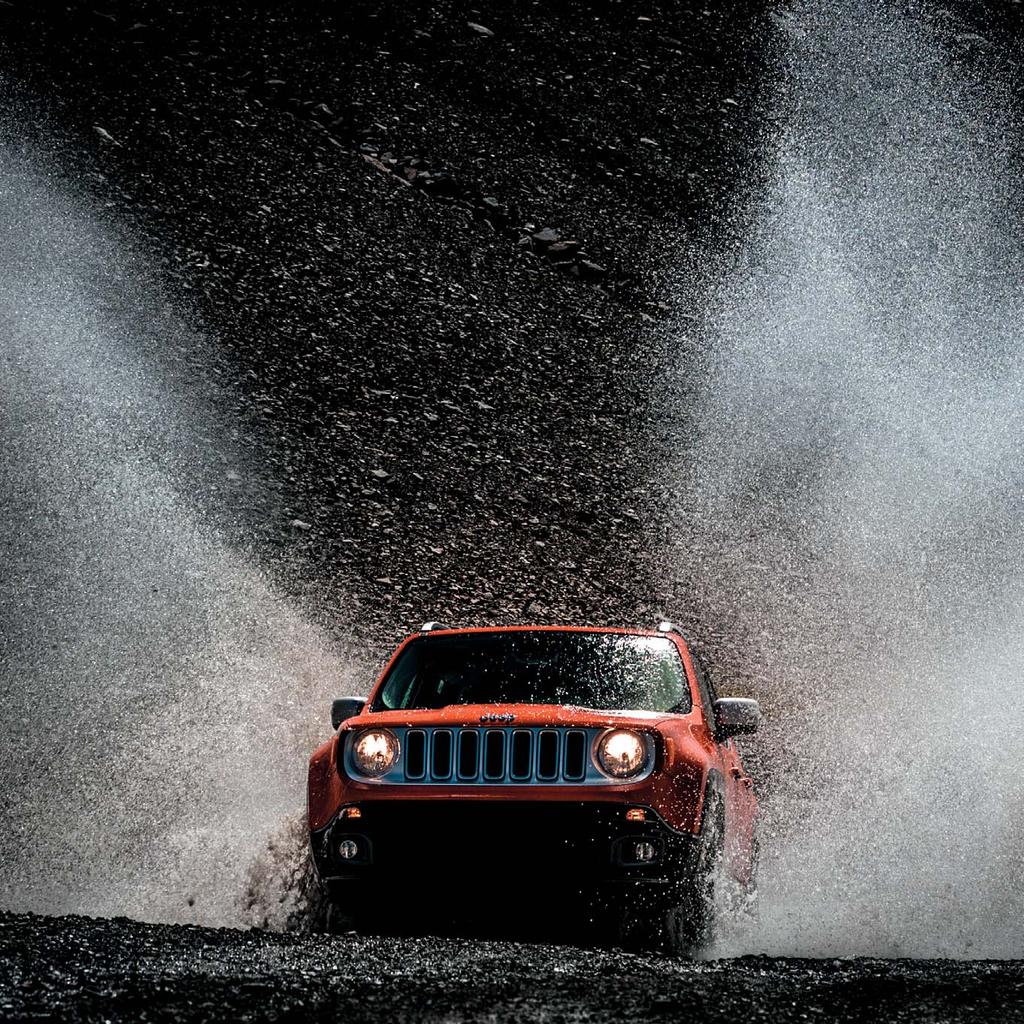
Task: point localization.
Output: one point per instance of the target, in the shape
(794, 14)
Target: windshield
(604, 671)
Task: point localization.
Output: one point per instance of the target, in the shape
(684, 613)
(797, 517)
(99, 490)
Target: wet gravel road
(76, 968)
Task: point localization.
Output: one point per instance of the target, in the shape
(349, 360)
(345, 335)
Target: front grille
(474, 756)
(487, 756)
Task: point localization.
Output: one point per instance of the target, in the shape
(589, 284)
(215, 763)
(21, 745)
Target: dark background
(448, 420)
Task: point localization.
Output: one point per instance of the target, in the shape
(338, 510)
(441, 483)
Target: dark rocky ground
(120, 970)
(431, 257)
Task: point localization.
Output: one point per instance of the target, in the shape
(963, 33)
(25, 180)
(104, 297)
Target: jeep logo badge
(497, 718)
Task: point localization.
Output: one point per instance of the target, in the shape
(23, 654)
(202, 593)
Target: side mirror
(736, 715)
(344, 708)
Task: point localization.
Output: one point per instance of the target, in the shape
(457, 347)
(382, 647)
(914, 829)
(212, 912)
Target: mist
(160, 696)
(852, 478)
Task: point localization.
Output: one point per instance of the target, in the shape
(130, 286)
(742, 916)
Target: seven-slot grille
(471, 756)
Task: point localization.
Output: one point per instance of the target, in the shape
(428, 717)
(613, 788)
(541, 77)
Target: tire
(687, 927)
(691, 925)
(327, 916)
(337, 921)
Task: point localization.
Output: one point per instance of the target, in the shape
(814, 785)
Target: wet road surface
(75, 968)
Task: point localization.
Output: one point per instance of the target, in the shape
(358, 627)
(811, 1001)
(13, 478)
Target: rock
(588, 271)
(564, 250)
(302, 525)
(105, 135)
(546, 236)
(492, 208)
(374, 162)
(439, 183)
(380, 474)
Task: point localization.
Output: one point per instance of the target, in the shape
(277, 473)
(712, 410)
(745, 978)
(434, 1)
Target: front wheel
(696, 917)
(687, 926)
(336, 920)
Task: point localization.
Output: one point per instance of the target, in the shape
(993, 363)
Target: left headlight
(374, 751)
(621, 753)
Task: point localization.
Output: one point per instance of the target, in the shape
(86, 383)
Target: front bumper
(424, 850)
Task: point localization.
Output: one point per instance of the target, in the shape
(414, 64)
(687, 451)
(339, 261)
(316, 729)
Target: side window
(707, 692)
(402, 681)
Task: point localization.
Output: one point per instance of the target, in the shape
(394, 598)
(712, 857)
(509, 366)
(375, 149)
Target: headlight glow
(621, 753)
(375, 751)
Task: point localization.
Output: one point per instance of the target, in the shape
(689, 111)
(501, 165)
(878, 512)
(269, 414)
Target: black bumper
(419, 850)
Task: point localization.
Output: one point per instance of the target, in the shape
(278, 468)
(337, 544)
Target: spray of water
(854, 468)
(159, 697)
(852, 471)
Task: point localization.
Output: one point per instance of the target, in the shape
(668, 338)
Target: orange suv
(497, 769)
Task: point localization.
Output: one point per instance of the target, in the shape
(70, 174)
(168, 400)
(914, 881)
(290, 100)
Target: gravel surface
(80, 969)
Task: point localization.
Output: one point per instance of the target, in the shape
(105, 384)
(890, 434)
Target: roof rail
(429, 627)
(670, 627)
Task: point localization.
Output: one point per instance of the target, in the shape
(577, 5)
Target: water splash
(159, 695)
(854, 470)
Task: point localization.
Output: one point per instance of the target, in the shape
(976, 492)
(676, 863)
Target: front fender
(325, 790)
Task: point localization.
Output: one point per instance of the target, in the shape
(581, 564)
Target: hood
(523, 714)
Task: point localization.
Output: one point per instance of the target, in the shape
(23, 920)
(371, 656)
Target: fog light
(636, 814)
(643, 853)
(351, 812)
(348, 849)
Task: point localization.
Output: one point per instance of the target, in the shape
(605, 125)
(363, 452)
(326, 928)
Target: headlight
(375, 751)
(621, 753)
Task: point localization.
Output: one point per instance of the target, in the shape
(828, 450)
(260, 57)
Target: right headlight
(621, 753)
(374, 751)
